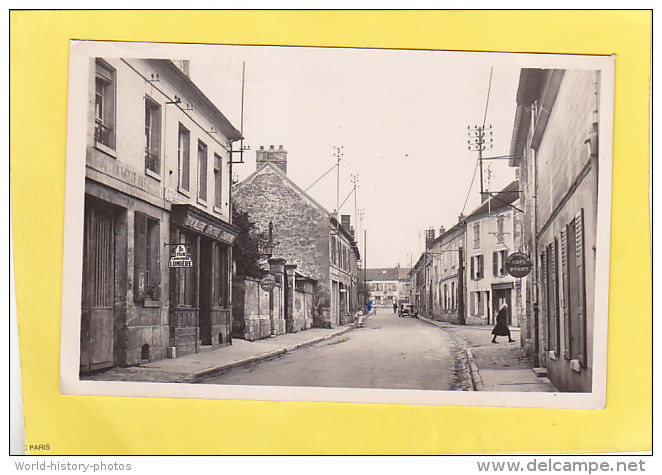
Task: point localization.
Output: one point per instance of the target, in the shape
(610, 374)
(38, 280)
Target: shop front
(200, 293)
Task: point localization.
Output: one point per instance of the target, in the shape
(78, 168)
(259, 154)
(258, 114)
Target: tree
(247, 246)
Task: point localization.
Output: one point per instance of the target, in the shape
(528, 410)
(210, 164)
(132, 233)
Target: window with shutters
(503, 255)
(184, 158)
(147, 273)
(104, 104)
(552, 291)
(218, 181)
(480, 267)
(202, 171)
(152, 136)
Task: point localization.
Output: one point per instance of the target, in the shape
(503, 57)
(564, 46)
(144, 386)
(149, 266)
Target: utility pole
(478, 142)
(338, 154)
(355, 182)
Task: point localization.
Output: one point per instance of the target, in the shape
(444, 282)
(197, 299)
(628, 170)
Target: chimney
(442, 230)
(429, 237)
(460, 218)
(344, 221)
(277, 157)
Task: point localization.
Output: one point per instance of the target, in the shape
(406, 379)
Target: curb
(476, 379)
(198, 375)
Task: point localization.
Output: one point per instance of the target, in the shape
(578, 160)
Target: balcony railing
(103, 134)
(151, 161)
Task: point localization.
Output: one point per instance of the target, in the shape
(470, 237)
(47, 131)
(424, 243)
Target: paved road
(388, 353)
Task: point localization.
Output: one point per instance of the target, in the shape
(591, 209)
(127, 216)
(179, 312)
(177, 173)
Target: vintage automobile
(407, 309)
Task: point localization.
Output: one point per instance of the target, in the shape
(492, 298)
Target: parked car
(407, 309)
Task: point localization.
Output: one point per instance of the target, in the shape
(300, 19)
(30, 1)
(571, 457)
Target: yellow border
(114, 425)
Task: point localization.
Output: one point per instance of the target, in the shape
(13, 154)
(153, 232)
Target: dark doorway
(206, 285)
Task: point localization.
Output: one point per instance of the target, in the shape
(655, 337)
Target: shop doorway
(499, 297)
(98, 286)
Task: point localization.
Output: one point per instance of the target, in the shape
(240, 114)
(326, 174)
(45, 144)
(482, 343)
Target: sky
(400, 116)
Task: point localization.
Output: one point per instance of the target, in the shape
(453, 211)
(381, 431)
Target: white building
(157, 173)
(493, 231)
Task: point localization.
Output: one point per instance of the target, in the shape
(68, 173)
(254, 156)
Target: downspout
(536, 307)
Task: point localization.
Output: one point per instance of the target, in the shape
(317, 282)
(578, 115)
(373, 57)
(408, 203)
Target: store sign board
(268, 282)
(208, 229)
(518, 264)
(181, 258)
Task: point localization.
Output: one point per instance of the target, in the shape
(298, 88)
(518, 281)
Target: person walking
(395, 307)
(501, 327)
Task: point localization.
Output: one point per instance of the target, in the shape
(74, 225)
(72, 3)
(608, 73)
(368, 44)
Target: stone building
(555, 147)
(322, 249)
(156, 173)
(493, 231)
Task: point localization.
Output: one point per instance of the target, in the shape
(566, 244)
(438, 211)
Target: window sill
(105, 149)
(203, 202)
(183, 192)
(152, 174)
(218, 210)
(152, 303)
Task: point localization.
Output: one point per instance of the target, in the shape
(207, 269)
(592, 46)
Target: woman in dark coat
(501, 328)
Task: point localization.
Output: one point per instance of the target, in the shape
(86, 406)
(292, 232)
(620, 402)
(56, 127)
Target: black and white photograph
(337, 224)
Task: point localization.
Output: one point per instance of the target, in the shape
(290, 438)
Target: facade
(555, 147)
(306, 235)
(388, 285)
(493, 231)
(155, 175)
(445, 256)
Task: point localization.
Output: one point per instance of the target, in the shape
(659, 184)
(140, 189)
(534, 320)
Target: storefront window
(147, 277)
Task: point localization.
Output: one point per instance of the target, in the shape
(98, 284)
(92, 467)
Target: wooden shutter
(555, 297)
(581, 279)
(471, 264)
(495, 263)
(543, 300)
(565, 307)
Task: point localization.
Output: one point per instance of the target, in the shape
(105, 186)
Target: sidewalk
(496, 367)
(191, 368)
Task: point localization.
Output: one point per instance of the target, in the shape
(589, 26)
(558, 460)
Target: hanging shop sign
(268, 282)
(518, 264)
(181, 258)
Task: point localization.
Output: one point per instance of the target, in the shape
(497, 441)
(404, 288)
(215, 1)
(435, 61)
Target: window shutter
(495, 263)
(565, 292)
(543, 297)
(581, 307)
(471, 262)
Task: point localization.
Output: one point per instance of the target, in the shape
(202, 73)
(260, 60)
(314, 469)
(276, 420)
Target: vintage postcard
(337, 224)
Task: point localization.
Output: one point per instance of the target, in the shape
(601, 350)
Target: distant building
(306, 235)
(156, 175)
(388, 285)
(445, 256)
(555, 147)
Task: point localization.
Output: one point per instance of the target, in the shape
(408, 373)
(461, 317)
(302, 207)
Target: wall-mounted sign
(268, 282)
(518, 264)
(181, 258)
(208, 229)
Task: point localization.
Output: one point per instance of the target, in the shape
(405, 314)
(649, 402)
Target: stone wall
(256, 313)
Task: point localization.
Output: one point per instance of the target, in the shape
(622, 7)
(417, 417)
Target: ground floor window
(147, 278)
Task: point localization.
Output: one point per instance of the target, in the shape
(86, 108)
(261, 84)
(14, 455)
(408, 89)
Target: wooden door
(96, 339)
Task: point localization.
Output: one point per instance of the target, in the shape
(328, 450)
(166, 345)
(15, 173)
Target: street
(388, 353)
